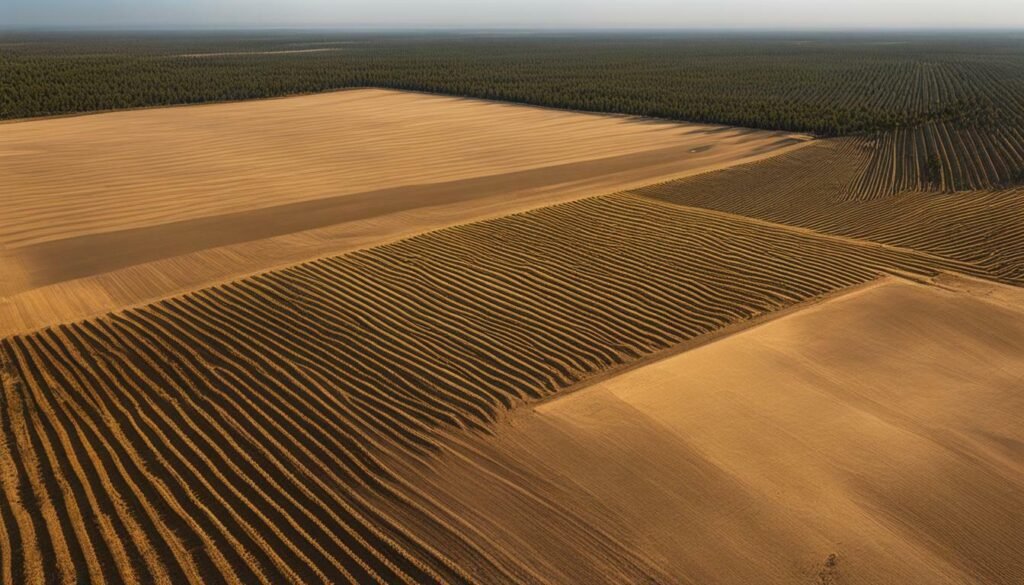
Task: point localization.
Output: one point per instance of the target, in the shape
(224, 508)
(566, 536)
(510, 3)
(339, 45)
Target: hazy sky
(845, 14)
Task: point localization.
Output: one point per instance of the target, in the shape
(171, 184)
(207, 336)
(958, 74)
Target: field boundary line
(706, 339)
(811, 232)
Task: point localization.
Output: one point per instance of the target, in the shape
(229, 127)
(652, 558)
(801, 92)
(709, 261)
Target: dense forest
(924, 97)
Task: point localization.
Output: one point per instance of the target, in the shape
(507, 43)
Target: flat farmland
(385, 336)
(396, 413)
(110, 210)
(873, 437)
(276, 429)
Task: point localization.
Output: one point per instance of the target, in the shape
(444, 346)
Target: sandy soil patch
(92, 174)
(89, 196)
(870, 439)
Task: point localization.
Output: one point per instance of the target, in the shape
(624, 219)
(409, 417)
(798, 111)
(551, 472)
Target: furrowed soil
(505, 400)
(830, 188)
(106, 211)
(275, 428)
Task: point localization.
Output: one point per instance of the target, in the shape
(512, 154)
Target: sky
(551, 14)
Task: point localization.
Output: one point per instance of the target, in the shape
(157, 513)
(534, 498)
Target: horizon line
(503, 28)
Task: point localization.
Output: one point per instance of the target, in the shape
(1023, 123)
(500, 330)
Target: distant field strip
(125, 170)
(817, 187)
(957, 100)
(969, 157)
(236, 433)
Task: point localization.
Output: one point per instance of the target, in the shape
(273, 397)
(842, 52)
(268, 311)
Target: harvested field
(803, 450)
(264, 430)
(156, 202)
(123, 170)
(819, 187)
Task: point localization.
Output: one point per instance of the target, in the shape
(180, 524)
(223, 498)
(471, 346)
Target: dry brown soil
(105, 211)
(874, 438)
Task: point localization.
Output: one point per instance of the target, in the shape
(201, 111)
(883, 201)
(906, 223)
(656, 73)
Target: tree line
(869, 85)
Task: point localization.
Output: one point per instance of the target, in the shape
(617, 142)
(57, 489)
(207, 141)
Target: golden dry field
(322, 339)
(805, 446)
(111, 210)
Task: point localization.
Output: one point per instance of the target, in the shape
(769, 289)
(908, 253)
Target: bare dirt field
(109, 210)
(873, 438)
(277, 428)
(488, 384)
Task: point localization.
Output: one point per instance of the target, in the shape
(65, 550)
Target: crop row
(835, 187)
